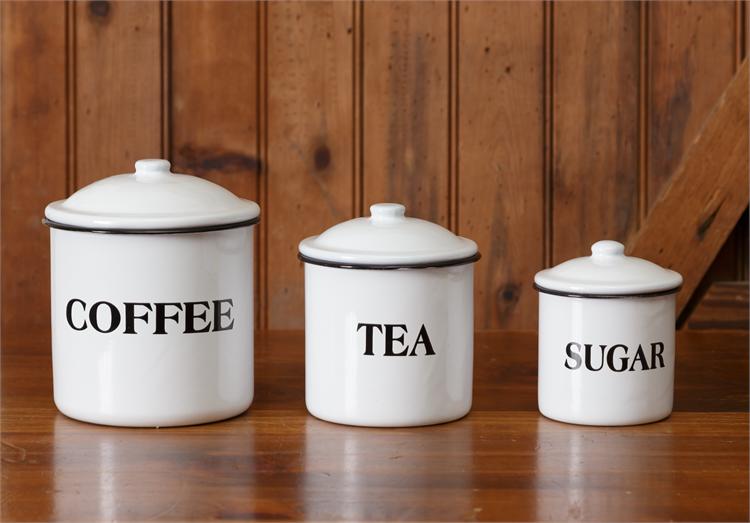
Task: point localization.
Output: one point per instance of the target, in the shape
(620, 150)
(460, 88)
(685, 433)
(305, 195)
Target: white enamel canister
(606, 338)
(388, 321)
(152, 300)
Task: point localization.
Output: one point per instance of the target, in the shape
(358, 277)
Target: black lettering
(130, 316)
(639, 357)
(114, 316)
(219, 314)
(369, 327)
(657, 354)
(611, 358)
(573, 356)
(588, 357)
(190, 317)
(423, 339)
(389, 339)
(69, 314)
(161, 316)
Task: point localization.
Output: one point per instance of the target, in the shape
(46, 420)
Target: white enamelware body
(146, 378)
(346, 384)
(631, 383)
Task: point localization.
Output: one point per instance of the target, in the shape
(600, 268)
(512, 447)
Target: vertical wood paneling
(261, 296)
(693, 48)
(533, 128)
(406, 104)
(33, 108)
(310, 142)
(118, 87)
(358, 109)
(595, 136)
(453, 114)
(213, 102)
(500, 155)
(214, 94)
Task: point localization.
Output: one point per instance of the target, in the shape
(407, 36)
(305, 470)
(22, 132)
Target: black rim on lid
(369, 266)
(174, 230)
(544, 290)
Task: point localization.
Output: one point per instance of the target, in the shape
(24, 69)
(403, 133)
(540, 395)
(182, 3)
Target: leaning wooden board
(705, 197)
(502, 462)
(686, 44)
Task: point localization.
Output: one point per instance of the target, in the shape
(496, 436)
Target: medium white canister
(389, 321)
(152, 299)
(606, 338)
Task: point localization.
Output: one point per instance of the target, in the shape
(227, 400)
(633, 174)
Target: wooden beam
(705, 196)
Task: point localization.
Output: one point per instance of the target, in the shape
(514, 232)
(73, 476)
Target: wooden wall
(533, 128)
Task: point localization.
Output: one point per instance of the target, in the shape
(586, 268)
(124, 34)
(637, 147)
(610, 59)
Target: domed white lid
(387, 239)
(607, 272)
(151, 198)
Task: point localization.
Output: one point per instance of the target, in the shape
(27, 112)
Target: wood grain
(310, 142)
(406, 114)
(214, 98)
(500, 155)
(407, 106)
(724, 306)
(33, 160)
(689, 43)
(214, 81)
(595, 125)
(706, 195)
(118, 87)
(502, 462)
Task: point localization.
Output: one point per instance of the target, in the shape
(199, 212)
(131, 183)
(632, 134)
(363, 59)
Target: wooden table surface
(502, 462)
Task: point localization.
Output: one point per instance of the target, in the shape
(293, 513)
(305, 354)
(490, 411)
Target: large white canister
(389, 321)
(606, 338)
(152, 300)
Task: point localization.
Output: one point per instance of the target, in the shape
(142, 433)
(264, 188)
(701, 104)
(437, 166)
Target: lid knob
(606, 248)
(151, 167)
(386, 213)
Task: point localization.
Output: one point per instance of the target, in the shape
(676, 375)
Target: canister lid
(607, 272)
(152, 199)
(387, 240)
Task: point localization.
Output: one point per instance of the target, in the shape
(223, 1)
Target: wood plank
(214, 105)
(214, 97)
(310, 140)
(406, 113)
(706, 195)
(118, 87)
(500, 155)
(692, 48)
(504, 461)
(595, 125)
(724, 306)
(33, 108)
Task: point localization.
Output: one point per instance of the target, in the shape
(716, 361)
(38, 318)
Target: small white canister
(389, 321)
(606, 338)
(152, 300)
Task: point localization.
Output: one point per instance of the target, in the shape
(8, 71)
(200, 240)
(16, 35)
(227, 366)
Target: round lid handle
(387, 213)
(607, 248)
(145, 169)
